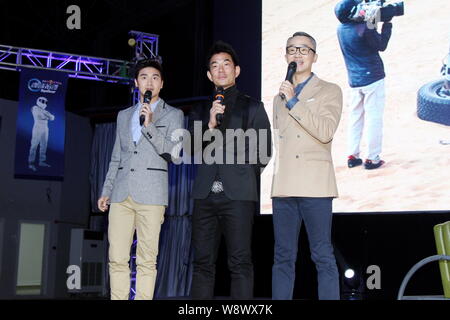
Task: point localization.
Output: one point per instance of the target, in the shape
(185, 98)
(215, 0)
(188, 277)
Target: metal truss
(145, 47)
(80, 67)
(84, 67)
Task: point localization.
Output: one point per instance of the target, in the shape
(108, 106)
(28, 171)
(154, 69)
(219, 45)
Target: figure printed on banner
(40, 134)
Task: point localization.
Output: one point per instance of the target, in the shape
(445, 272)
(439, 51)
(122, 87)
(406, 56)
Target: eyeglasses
(303, 50)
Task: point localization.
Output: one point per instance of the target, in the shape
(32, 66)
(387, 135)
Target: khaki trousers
(124, 219)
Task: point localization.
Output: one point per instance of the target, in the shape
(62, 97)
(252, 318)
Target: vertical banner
(41, 125)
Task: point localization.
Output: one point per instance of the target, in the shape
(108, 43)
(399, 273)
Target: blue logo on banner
(35, 85)
(45, 86)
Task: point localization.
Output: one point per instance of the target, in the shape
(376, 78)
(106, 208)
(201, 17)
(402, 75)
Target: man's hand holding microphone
(287, 88)
(217, 110)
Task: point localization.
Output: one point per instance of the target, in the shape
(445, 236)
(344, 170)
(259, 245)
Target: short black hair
(219, 47)
(147, 63)
(304, 34)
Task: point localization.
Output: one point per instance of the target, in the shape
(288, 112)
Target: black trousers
(212, 217)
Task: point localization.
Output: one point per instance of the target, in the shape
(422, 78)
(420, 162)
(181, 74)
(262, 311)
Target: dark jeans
(288, 214)
(213, 216)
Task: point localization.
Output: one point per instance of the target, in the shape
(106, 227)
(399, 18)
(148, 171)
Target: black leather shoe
(353, 161)
(369, 165)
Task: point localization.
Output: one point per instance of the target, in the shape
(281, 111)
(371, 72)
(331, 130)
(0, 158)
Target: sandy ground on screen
(416, 175)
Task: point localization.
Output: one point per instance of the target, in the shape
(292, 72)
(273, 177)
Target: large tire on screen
(432, 104)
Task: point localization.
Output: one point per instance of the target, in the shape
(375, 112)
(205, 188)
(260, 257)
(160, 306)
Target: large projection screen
(416, 176)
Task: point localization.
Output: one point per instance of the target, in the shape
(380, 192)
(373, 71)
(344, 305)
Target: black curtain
(175, 252)
(102, 146)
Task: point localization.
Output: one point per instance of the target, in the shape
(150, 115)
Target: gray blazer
(140, 170)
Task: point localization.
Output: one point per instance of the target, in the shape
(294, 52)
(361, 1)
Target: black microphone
(219, 96)
(147, 99)
(292, 67)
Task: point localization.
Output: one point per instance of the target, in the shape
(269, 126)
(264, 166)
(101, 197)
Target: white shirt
(135, 126)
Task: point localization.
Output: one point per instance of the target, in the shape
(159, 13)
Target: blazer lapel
(233, 115)
(283, 117)
(311, 88)
(127, 126)
(160, 111)
(233, 118)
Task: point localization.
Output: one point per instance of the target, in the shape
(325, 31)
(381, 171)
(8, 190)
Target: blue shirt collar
(301, 85)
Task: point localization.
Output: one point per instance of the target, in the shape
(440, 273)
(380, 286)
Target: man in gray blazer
(137, 183)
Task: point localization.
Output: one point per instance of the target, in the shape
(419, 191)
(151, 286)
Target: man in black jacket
(226, 189)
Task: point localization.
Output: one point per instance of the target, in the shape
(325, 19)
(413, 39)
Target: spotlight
(352, 285)
(350, 276)
(349, 273)
(132, 42)
(352, 280)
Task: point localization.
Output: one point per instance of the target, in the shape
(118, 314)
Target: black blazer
(240, 181)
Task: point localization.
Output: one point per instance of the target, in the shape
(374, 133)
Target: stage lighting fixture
(349, 273)
(352, 285)
(132, 42)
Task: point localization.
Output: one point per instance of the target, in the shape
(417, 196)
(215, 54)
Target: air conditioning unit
(88, 253)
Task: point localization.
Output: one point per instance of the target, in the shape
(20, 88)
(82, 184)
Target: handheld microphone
(219, 96)
(147, 99)
(292, 67)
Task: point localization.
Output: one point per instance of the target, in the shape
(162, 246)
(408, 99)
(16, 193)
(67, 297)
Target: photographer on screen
(446, 73)
(360, 44)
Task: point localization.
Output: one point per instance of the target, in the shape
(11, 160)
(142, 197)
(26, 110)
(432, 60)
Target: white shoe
(32, 167)
(44, 164)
